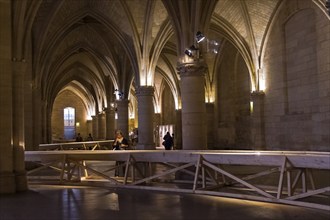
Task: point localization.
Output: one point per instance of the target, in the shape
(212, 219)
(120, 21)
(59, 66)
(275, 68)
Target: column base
(7, 182)
(21, 181)
(145, 147)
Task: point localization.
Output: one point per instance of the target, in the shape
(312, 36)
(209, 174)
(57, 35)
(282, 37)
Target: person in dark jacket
(168, 141)
(120, 142)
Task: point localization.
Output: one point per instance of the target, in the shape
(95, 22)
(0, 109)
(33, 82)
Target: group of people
(80, 139)
(121, 143)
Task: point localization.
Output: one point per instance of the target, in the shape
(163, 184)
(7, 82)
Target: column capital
(145, 91)
(109, 110)
(257, 95)
(122, 101)
(191, 69)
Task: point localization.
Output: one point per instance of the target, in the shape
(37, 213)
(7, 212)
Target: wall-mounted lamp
(119, 94)
(191, 51)
(199, 37)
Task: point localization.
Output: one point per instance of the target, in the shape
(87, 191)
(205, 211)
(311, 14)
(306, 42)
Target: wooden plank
(198, 165)
(309, 193)
(280, 183)
(163, 173)
(63, 168)
(260, 191)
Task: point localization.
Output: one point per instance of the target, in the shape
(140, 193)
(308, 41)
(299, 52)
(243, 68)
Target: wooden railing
(84, 145)
(211, 172)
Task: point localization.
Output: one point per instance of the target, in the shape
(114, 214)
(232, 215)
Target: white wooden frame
(207, 166)
(83, 145)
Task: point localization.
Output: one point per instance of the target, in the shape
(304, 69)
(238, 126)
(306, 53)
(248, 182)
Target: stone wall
(297, 72)
(63, 100)
(168, 107)
(233, 102)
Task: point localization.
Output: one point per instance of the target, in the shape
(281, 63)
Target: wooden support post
(280, 183)
(63, 168)
(203, 178)
(296, 181)
(260, 191)
(311, 179)
(303, 181)
(288, 178)
(127, 168)
(199, 161)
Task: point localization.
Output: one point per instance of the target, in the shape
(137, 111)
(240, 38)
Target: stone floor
(51, 202)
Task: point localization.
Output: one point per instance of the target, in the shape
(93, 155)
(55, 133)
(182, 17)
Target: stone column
(38, 119)
(210, 125)
(258, 121)
(156, 120)
(145, 116)
(7, 177)
(101, 126)
(12, 168)
(95, 127)
(90, 127)
(19, 69)
(122, 114)
(178, 130)
(193, 106)
(110, 123)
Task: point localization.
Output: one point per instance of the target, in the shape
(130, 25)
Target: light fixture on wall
(119, 94)
(199, 37)
(193, 50)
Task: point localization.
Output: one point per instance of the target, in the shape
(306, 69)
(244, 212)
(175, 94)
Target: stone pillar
(145, 116)
(12, 169)
(101, 126)
(258, 121)
(7, 177)
(210, 125)
(193, 106)
(90, 127)
(157, 119)
(19, 69)
(38, 119)
(122, 114)
(178, 130)
(110, 123)
(95, 127)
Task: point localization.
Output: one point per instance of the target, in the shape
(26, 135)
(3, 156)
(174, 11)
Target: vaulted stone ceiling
(110, 43)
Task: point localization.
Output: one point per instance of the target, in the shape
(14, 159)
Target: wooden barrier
(84, 145)
(211, 172)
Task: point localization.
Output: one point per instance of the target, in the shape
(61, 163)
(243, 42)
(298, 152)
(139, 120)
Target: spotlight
(191, 51)
(188, 52)
(199, 37)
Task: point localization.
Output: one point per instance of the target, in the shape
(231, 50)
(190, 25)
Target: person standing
(79, 138)
(120, 143)
(168, 141)
(89, 138)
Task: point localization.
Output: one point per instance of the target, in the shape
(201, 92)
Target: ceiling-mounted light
(199, 37)
(190, 51)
